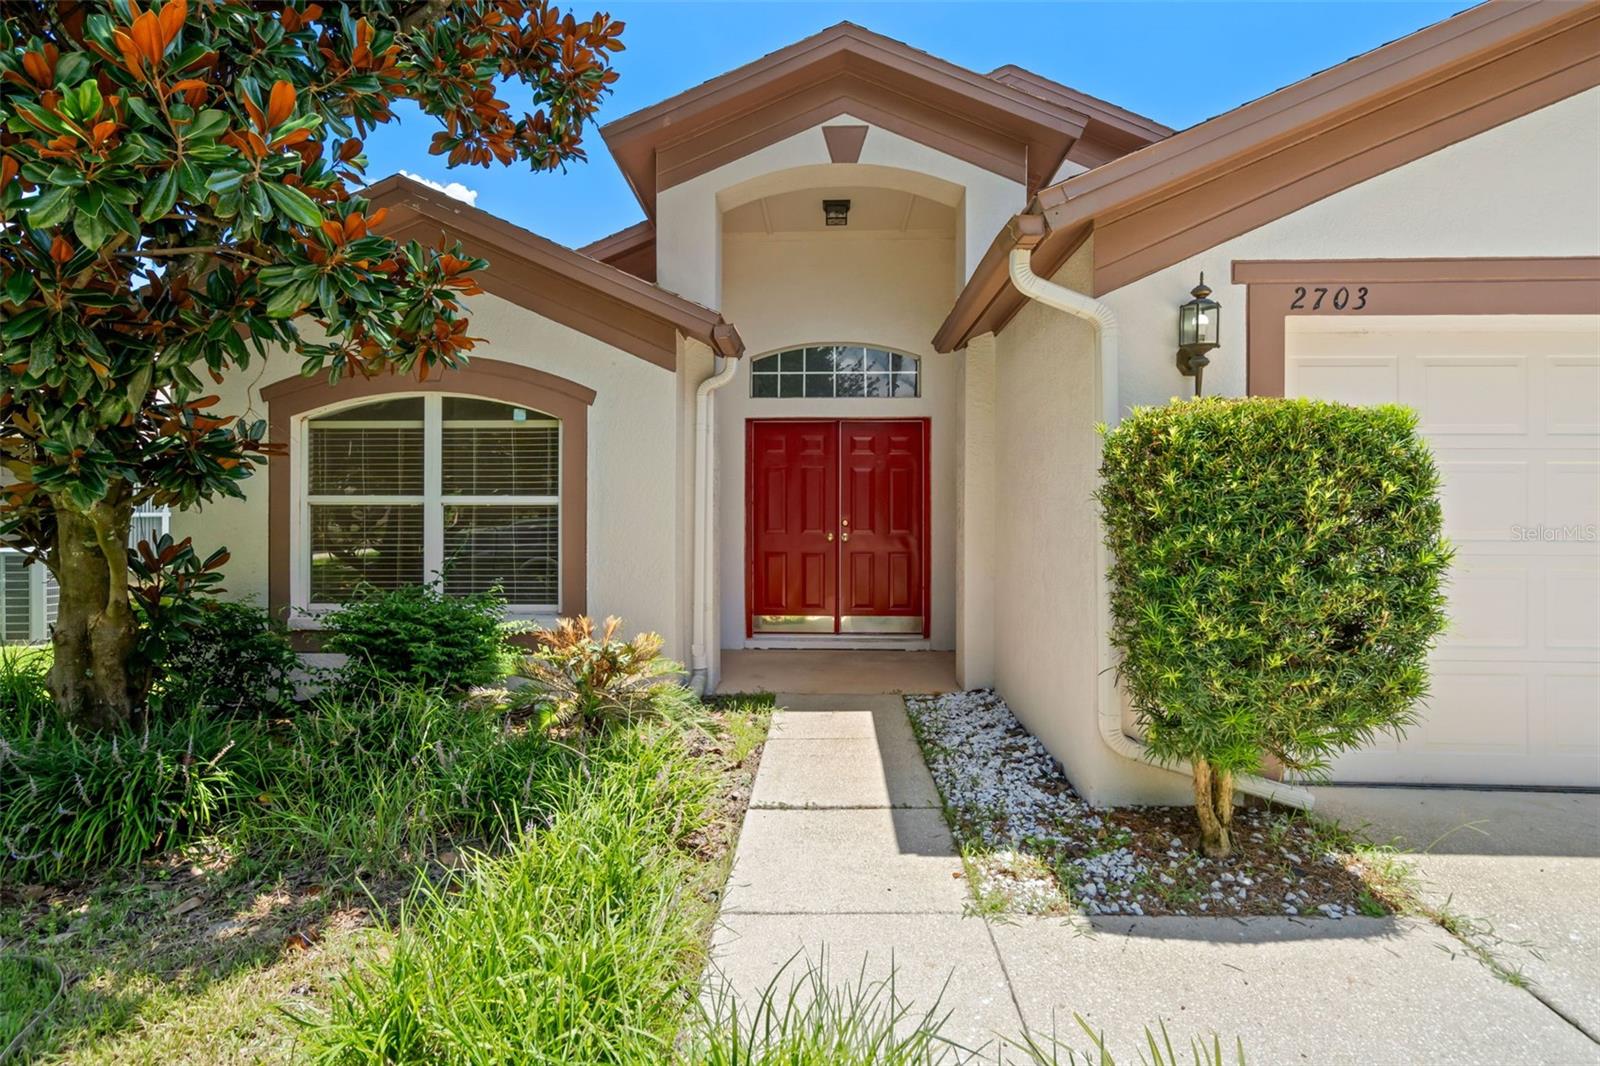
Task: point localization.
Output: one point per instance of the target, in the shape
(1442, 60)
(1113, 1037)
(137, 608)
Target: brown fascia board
(1293, 116)
(557, 282)
(625, 240)
(1145, 129)
(632, 249)
(1046, 127)
(1296, 111)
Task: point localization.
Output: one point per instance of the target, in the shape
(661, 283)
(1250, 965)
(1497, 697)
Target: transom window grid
(832, 371)
(405, 490)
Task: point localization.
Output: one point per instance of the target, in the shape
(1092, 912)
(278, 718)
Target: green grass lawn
(361, 915)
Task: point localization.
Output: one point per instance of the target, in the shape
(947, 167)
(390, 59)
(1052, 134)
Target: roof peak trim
(556, 282)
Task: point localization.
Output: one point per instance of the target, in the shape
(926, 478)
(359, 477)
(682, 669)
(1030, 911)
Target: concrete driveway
(1522, 869)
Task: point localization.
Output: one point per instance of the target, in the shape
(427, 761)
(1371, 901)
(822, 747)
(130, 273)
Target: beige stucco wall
(1047, 652)
(976, 488)
(1530, 187)
(637, 512)
(838, 287)
(689, 245)
(1527, 188)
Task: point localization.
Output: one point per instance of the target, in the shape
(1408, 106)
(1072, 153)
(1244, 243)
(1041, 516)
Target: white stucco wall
(634, 489)
(1527, 188)
(838, 287)
(1530, 187)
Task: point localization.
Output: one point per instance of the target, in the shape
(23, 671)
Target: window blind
(482, 512)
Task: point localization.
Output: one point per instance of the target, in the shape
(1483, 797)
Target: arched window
(411, 488)
(834, 370)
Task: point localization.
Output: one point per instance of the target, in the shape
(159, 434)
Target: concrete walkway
(845, 855)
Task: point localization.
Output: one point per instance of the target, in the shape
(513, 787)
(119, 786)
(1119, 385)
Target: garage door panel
(1572, 608)
(1488, 610)
(1572, 395)
(1572, 496)
(1570, 723)
(1367, 381)
(1473, 395)
(1512, 411)
(1485, 499)
(1487, 712)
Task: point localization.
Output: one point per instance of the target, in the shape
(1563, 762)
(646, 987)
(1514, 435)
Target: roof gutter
(1028, 231)
(704, 582)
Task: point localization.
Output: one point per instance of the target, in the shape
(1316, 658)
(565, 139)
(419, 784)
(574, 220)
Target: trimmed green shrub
(71, 802)
(419, 636)
(230, 658)
(1277, 581)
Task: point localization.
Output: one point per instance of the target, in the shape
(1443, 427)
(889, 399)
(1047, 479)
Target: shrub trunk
(95, 630)
(1213, 804)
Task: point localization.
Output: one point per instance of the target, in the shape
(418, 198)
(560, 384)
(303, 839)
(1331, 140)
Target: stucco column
(975, 515)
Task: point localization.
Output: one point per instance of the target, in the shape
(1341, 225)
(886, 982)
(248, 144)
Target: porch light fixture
(836, 212)
(1199, 326)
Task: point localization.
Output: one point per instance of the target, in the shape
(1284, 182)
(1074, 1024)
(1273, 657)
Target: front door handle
(830, 538)
(845, 535)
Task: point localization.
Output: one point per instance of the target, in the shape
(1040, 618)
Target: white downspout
(704, 560)
(1104, 321)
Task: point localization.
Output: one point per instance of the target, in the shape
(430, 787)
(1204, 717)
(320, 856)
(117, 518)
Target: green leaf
(90, 230)
(294, 204)
(19, 286)
(50, 209)
(41, 354)
(289, 299)
(86, 102)
(208, 123)
(162, 196)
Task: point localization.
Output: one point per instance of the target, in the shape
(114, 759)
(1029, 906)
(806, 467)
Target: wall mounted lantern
(836, 212)
(1199, 327)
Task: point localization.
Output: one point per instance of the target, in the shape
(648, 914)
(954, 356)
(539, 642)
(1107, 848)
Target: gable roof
(1111, 131)
(1228, 175)
(632, 248)
(558, 283)
(992, 122)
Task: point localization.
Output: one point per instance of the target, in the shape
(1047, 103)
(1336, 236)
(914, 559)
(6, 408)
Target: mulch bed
(1033, 846)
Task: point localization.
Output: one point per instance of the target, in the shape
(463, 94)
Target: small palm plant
(589, 679)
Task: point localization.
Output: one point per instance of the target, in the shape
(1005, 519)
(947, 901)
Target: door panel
(882, 517)
(795, 483)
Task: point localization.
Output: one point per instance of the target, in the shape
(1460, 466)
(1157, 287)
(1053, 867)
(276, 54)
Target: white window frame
(35, 573)
(778, 353)
(307, 615)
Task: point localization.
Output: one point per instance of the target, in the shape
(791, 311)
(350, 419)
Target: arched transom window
(411, 489)
(830, 370)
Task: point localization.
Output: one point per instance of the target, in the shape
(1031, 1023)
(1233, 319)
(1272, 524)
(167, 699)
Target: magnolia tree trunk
(95, 630)
(1213, 802)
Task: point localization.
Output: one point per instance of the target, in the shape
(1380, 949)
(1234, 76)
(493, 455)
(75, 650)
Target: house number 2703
(1343, 298)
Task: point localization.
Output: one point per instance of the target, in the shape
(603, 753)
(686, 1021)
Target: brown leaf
(171, 19)
(280, 105)
(185, 907)
(301, 939)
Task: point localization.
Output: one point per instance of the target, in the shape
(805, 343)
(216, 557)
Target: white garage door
(1511, 406)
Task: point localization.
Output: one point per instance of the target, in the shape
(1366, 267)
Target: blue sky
(1178, 63)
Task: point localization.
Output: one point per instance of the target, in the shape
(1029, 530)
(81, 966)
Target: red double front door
(836, 530)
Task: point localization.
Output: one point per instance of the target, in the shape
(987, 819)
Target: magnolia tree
(180, 195)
